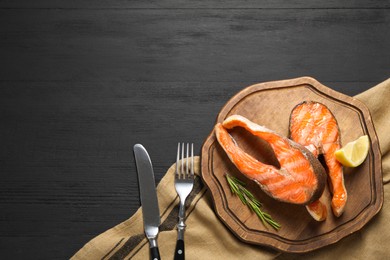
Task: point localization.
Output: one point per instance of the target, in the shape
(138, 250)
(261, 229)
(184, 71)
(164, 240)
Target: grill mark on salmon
(299, 180)
(314, 126)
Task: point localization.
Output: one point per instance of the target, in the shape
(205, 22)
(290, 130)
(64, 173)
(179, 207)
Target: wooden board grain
(270, 104)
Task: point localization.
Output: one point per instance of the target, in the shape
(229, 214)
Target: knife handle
(154, 253)
(179, 251)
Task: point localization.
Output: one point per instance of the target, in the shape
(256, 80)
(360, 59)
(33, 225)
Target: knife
(149, 203)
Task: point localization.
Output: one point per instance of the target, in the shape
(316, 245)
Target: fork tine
(177, 160)
(192, 160)
(187, 159)
(182, 161)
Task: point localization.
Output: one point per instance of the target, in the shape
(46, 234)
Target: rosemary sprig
(247, 198)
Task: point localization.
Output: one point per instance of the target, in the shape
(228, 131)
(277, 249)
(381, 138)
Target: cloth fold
(208, 238)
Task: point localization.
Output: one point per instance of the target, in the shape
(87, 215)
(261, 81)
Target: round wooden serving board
(270, 104)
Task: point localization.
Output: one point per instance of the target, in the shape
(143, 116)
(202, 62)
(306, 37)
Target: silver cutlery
(184, 182)
(149, 203)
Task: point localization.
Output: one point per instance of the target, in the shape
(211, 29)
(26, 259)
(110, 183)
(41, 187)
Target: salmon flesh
(313, 125)
(300, 179)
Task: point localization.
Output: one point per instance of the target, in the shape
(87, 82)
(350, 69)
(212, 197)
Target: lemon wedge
(353, 153)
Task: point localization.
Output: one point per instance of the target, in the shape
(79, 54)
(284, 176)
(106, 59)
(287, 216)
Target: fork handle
(154, 253)
(179, 251)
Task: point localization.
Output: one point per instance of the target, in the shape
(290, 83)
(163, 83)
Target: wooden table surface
(82, 81)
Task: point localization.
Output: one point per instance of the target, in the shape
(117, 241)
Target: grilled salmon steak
(300, 179)
(313, 125)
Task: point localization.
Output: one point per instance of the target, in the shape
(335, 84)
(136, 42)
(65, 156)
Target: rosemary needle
(247, 198)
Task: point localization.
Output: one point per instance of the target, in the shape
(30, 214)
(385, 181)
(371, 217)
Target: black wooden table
(82, 81)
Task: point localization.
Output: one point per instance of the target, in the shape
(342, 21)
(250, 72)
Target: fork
(184, 182)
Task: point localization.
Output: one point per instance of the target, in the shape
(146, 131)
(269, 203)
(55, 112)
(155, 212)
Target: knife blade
(148, 195)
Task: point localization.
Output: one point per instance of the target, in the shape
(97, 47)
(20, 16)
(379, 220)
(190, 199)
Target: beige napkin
(206, 236)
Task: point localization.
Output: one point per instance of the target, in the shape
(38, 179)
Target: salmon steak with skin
(313, 125)
(300, 179)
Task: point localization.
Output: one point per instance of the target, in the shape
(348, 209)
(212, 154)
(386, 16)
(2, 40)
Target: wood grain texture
(186, 45)
(211, 4)
(300, 232)
(82, 81)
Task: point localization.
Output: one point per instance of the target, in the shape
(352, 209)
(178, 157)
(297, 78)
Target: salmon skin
(299, 180)
(313, 125)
